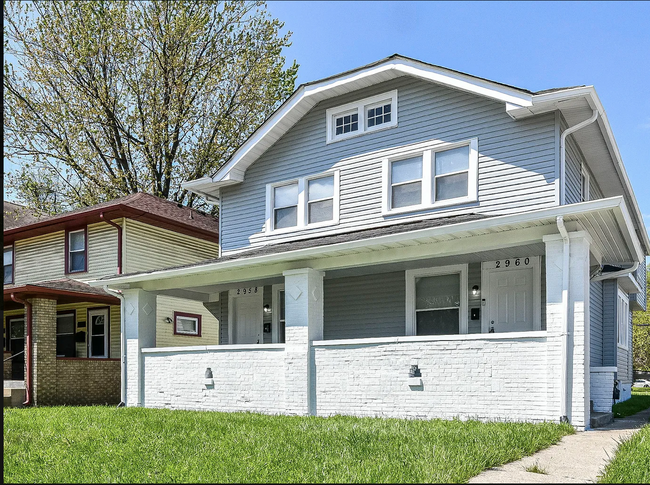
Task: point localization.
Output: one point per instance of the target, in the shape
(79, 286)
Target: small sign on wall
(513, 263)
(249, 290)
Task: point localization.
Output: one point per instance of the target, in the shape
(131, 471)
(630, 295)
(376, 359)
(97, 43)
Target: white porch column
(578, 378)
(303, 290)
(140, 332)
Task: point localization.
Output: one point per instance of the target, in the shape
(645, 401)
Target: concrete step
(601, 419)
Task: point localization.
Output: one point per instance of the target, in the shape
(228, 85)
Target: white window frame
(186, 316)
(428, 157)
(360, 107)
(412, 274)
(622, 319)
(275, 315)
(585, 184)
(107, 324)
(303, 202)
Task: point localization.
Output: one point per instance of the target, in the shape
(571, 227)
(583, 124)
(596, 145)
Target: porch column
(140, 332)
(303, 290)
(578, 379)
(43, 351)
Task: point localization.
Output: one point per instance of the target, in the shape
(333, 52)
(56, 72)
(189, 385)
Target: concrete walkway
(578, 458)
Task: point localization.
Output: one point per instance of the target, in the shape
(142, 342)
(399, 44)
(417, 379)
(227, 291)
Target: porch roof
(606, 220)
(64, 290)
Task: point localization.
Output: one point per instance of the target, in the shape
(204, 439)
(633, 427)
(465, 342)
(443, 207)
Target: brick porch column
(43, 351)
(578, 393)
(140, 332)
(303, 290)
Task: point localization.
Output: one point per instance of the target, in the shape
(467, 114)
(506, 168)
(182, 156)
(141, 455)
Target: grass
(535, 468)
(135, 445)
(639, 401)
(631, 464)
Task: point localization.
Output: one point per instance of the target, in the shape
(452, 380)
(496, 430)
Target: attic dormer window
(363, 116)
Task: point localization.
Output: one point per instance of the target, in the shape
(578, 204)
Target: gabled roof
(140, 206)
(64, 290)
(16, 215)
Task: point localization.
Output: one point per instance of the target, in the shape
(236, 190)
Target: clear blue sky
(532, 45)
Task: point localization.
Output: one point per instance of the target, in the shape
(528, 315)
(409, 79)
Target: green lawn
(639, 401)
(631, 464)
(135, 445)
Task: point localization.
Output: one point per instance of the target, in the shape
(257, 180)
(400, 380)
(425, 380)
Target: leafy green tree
(105, 98)
(641, 336)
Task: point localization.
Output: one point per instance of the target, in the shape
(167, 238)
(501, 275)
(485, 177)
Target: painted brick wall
(602, 387)
(244, 380)
(87, 381)
(483, 379)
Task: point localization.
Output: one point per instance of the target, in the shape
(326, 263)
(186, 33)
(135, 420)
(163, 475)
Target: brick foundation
(87, 381)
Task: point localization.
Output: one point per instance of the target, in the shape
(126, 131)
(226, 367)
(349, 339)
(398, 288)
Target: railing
(14, 355)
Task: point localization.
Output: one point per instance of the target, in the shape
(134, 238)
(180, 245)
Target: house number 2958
(247, 291)
(507, 263)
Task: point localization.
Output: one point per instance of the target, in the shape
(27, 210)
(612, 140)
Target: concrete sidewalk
(578, 458)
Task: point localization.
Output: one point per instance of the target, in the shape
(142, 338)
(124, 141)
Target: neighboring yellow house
(72, 330)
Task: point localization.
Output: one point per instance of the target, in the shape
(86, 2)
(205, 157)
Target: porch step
(601, 419)
(13, 394)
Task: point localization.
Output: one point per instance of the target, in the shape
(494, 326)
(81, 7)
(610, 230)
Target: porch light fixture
(168, 319)
(267, 308)
(475, 290)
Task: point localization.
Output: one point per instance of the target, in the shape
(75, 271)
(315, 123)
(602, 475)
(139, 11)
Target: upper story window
(431, 177)
(76, 251)
(9, 264)
(305, 202)
(363, 116)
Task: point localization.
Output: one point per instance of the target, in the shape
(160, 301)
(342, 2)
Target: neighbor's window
(363, 116)
(623, 318)
(584, 185)
(9, 265)
(187, 324)
(65, 335)
(432, 177)
(437, 300)
(305, 202)
(76, 243)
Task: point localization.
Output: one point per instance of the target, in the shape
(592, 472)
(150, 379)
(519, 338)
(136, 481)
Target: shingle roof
(16, 215)
(67, 284)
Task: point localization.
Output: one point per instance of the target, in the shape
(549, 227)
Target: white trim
(427, 152)
(622, 319)
(107, 322)
(303, 203)
(487, 267)
(212, 348)
(180, 332)
(585, 184)
(232, 295)
(603, 369)
(410, 276)
(359, 108)
(275, 311)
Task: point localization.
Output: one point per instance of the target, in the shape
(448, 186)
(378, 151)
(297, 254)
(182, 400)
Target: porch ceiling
(606, 220)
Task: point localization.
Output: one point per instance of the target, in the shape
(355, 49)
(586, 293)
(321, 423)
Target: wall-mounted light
(168, 319)
(267, 308)
(475, 290)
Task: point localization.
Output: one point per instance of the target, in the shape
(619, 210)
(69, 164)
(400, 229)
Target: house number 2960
(507, 263)
(247, 291)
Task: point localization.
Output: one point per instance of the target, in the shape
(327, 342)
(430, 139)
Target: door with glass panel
(17, 346)
(98, 322)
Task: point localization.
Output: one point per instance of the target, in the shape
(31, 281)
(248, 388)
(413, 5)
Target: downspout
(119, 241)
(566, 133)
(28, 348)
(119, 294)
(564, 380)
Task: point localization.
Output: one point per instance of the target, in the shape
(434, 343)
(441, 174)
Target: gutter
(616, 274)
(566, 133)
(119, 294)
(119, 241)
(564, 380)
(28, 348)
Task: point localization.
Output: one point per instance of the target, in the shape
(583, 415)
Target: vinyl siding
(166, 306)
(574, 161)
(516, 161)
(596, 323)
(149, 247)
(609, 323)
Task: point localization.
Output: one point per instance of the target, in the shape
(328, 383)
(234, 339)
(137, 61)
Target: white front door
(98, 321)
(511, 295)
(247, 316)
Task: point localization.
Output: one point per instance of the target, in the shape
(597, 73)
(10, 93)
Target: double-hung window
(431, 177)
(436, 300)
(303, 203)
(363, 116)
(187, 324)
(76, 251)
(65, 334)
(623, 318)
(8, 258)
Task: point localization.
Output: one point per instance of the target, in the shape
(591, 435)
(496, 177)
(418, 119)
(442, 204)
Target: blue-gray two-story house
(405, 240)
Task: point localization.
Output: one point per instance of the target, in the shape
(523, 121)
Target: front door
(98, 321)
(511, 298)
(247, 316)
(16, 346)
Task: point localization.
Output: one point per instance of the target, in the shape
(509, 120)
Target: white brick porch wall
(246, 378)
(491, 377)
(602, 387)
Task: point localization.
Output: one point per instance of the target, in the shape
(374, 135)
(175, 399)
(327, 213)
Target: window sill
(287, 230)
(424, 207)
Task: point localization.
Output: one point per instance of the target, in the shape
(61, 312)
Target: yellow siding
(166, 306)
(149, 247)
(102, 251)
(81, 311)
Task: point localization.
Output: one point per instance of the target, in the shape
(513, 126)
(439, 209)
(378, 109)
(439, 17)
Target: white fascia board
(307, 97)
(320, 251)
